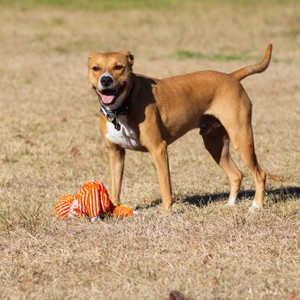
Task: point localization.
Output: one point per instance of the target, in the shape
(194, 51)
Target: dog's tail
(253, 69)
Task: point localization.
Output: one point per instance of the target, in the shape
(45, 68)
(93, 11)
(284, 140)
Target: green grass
(102, 5)
(185, 54)
(108, 5)
(215, 57)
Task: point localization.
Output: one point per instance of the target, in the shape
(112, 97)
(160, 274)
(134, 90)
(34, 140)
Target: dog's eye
(95, 68)
(118, 67)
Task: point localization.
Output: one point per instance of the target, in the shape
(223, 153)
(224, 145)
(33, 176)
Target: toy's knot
(122, 211)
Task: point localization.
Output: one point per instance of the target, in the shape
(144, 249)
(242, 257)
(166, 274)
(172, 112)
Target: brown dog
(148, 114)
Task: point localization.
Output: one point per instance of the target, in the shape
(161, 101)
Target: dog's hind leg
(238, 125)
(216, 142)
(242, 140)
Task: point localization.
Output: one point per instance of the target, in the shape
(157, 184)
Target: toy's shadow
(154, 203)
(277, 195)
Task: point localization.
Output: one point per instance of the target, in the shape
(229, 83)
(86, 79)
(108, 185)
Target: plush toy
(92, 202)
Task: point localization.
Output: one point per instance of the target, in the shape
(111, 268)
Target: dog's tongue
(107, 96)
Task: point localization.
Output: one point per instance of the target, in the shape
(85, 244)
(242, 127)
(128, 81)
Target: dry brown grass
(50, 145)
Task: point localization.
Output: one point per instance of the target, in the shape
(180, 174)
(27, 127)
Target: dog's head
(109, 74)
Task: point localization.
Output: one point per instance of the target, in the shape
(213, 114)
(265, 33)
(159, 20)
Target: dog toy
(93, 202)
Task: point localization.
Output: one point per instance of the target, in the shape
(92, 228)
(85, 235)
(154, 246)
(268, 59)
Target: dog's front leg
(116, 164)
(160, 156)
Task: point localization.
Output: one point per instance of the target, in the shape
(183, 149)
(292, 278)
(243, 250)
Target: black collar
(124, 109)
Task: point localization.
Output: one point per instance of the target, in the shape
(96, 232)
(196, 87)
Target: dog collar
(112, 115)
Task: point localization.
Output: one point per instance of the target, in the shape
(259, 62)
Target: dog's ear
(90, 57)
(130, 57)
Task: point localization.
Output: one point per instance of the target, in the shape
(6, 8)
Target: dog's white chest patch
(125, 137)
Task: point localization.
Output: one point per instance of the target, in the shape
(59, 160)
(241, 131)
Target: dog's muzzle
(106, 90)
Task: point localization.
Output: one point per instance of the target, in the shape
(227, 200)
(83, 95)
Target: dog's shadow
(277, 195)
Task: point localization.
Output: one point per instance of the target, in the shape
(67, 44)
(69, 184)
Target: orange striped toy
(92, 202)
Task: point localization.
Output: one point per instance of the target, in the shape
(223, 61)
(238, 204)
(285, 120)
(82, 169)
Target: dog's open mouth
(109, 96)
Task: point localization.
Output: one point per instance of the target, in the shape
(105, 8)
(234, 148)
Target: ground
(51, 145)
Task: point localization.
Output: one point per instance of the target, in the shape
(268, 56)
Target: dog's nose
(106, 81)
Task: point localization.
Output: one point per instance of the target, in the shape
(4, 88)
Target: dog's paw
(254, 207)
(166, 208)
(231, 201)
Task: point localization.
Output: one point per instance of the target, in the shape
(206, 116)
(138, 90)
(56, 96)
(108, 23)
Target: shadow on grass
(156, 202)
(276, 195)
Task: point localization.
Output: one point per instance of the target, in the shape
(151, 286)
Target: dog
(148, 114)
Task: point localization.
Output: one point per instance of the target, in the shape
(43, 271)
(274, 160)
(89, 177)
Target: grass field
(51, 145)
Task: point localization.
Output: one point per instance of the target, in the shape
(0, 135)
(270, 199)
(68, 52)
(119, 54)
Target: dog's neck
(113, 114)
